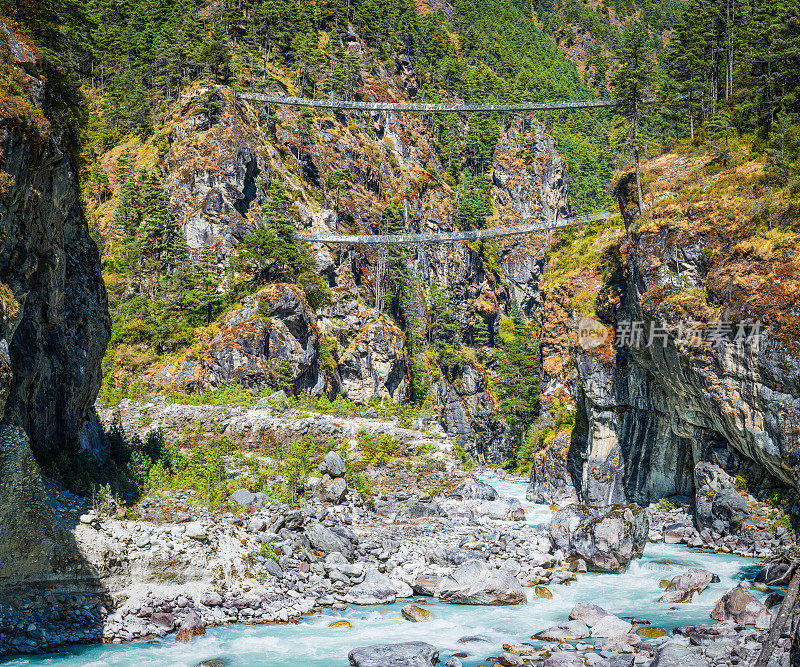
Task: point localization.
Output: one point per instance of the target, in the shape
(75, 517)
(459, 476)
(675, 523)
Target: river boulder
(376, 588)
(673, 654)
(405, 654)
(192, 626)
(739, 606)
(587, 613)
(563, 632)
(694, 579)
(606, 538)
(475, 582)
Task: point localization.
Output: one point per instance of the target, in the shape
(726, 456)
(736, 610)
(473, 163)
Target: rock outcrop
(374, 364)
(55, 323)
(692, 365)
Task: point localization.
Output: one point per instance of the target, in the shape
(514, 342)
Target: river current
(311, 643)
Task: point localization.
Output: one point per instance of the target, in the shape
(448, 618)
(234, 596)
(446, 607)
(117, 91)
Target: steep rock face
(694, 387)
(272, 339)
(470, 412)
(55, 323)
(374, 365)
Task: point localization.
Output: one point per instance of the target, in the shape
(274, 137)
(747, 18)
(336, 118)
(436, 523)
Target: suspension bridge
(382, 240)
(447, 237)
(427, 107)
(423, 107)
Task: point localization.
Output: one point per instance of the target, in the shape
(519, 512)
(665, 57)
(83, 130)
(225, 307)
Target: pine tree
(213, 50)
(633, 86)
(480, 333)
(270, 250)
(207, 283)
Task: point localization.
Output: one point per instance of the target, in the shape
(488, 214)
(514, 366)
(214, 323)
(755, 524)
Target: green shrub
(665, 505)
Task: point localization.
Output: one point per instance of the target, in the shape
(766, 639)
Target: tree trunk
(780, 620)
(636, 151)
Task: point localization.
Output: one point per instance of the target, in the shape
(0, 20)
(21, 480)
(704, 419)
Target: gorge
(206, 423)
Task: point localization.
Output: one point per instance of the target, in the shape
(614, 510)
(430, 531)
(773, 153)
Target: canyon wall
(697, 385)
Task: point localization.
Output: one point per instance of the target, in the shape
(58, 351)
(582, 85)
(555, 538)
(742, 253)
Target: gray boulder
(376, 588)
(563, 632)
(332, 465)
(563, 659)
(509, 509)
(474, 489)
(327, 541)
(694, 579)
(405, 654)
(475, 582)
(673, 654)
(587, 613)
(245, 498)
(426, 584)
(332, 490)
(605, 538)
(611, 626)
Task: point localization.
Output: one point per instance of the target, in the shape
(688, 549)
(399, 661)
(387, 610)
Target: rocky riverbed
(353, 573)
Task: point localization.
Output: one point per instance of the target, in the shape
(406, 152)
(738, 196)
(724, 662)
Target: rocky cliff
(684, 354)
(54, 327)
(55, 323)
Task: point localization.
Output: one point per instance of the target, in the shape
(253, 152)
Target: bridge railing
(447, 237)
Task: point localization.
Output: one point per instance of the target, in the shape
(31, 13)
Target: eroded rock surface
(607, 539)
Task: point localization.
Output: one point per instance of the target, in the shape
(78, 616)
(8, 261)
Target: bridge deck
(423, 106)
(446, 237)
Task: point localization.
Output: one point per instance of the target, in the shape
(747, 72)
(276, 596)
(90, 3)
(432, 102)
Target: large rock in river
(739, 606)
(475, 582)
(405, 654)
(376, 588)
(606, 538)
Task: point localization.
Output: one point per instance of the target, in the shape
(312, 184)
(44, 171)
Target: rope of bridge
(446, 237)
(423, 106)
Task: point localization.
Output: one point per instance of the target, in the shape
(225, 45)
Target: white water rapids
(312, 643)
